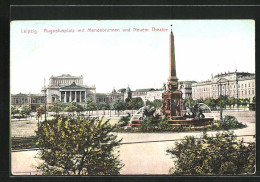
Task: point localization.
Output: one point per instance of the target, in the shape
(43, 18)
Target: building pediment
(73, 86)
(222, 80)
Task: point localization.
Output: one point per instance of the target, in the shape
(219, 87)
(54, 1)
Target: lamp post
(237, 92)
(220, 104)
(45, 103)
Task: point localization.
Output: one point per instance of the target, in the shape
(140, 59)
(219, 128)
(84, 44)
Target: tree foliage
(135, 103)
(210, 102)
(78, 147)
(103, 106)
(189, 102)
(253, 100)
(40, 110)
(71, 108)
(230, 122)
(232, 101)
(14, 110)
(57, 107)
(155, 103)
(210, 156)
(124, 120)
(90, 105)
(118, 105)
(25, 110)
(122, 90)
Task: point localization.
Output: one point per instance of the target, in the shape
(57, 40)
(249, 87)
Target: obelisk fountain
(172, 103)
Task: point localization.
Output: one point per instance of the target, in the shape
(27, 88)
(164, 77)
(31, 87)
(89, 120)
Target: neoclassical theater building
(67, 88)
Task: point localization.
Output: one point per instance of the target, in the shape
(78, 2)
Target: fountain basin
(191, 121)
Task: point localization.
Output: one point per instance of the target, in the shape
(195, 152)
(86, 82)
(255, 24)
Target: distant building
(108, 98)
(186, 88)
(149, 94)
(234, 84)
(32, 100)
(67, 89)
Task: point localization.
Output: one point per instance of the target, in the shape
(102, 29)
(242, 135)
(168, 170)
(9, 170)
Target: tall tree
(122, 90)
(232, 101)
(253, 100)
(222, 101)
(90, 106)
(25, 110)
(135, 103)
(157, 103)
(14, 110)
(71, 109)
(57, 107)
(245, 102)
(118, 105)
(40, 110)
(210, 102)
(78, 147)
(189, 102)
(239, 102)
(79, 108)
(103, 106)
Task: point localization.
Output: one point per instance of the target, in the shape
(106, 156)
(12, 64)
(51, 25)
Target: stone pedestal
(172, 104)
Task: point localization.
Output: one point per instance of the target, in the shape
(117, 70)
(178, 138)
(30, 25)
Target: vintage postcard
(132, 97)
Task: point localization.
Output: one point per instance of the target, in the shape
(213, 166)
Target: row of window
(223, 87)
(67, 81)
(242, 93)
(26, 101)
(215, 87)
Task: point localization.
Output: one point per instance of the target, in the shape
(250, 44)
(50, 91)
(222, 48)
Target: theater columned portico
(73, 93)
(73, 96)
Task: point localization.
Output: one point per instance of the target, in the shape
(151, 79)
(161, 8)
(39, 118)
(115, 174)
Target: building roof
(73, 86)
(243, 74)
(66, 76)
(147, 90)
(187, 81)
(20, 94)
(26, 95)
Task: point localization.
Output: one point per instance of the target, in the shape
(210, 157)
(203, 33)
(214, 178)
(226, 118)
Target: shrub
(124, 120)
(223, 154)
(230, 122)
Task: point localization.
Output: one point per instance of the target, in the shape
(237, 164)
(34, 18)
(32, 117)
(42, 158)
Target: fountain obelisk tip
(172, 74)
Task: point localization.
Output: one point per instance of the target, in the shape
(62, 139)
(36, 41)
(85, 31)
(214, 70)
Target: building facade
(32, 100)
(108, 98)
(67, 88)
(149, 94)
(186, 88)
(233, 84)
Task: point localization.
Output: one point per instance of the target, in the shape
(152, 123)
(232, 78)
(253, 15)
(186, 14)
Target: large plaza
(139, 158)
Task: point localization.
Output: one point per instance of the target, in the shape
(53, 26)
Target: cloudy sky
(116, 59)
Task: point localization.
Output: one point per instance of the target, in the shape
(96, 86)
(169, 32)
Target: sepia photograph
(132, 97)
